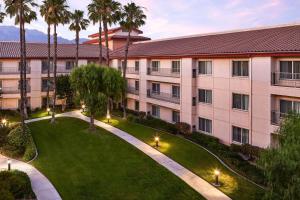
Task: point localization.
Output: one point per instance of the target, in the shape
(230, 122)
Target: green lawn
(84, 165)
(193, 158)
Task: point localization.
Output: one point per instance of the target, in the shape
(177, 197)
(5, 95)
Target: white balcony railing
(7, 71)
(277, 117)
(132, 90)
(163, 96)
(168, 72)
(13, 90)
(286, 79)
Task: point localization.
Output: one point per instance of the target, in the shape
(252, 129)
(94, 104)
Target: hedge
(15, 185)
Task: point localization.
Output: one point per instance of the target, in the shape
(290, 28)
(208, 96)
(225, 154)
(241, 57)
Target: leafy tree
(2, 15)
(87, 81)
(78, 24)
(113, 85)
(22, 11)
(45, 10)
(132, 17)
(95, 15)
(64, 90)
(58, 14)
(282, 165)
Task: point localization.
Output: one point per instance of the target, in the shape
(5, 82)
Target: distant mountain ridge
(11, 33)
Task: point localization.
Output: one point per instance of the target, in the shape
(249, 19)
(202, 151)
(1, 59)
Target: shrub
(142, 115)
(183, 128)
(131, 118)
(158, 124)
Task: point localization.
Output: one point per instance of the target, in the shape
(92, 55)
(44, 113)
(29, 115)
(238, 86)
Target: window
(240, 101)
(45, 84)
(137, 105)
(289, 106)
(70, 65)
(290, 69)
(175, 116)
(175, 91)
(155, 111)
(205, 125)
(155, 66)
(45, 65)
(240, 68)
(137, 85)
(137, 66)
(240, 135)
(156, 88)
(205, 96)
(205, 67)
(175, 66)
(27, 66)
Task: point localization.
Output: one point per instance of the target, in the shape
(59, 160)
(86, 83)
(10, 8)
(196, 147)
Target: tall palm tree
(2, 15)
(132, 17)
(45, 10)
(78, 24)
(111, 15)
(95, 15)
(22, 11)
(58, 14)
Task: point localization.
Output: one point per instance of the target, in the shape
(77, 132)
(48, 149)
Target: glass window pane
(245, 102)
(286, 106)
(245, 136)
(209, 67)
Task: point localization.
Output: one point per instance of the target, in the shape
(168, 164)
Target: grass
(84, 165)
(193, 158)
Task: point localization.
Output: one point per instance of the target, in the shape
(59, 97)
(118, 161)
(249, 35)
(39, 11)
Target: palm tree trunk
(77, 47)
(124, 73)
(48, 62)
(25, 73)
(54, 74)
(100, 43)
(21, 69)
(106, 42)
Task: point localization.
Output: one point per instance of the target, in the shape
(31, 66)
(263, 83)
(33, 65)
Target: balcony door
(290, 70)
(289, 106)
(156, 88)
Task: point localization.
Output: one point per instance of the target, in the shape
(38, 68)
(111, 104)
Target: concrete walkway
(41, 186)
(204, 188)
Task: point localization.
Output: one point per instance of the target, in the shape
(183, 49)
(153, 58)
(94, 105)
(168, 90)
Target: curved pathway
(41, 186)
(204, 188)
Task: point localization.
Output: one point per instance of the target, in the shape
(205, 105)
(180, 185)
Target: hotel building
(236, 86)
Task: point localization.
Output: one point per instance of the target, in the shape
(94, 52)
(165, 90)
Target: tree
(45, 10)
(64, 90)
(282, 165)
(112, 85)
(95, 15)
(22, 11)
(132, 17)
(58, 14)
(78, 24)
(87, 83)
(2, 15)
(111, 15)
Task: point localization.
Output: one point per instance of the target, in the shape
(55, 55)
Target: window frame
(287, 75)
(207, 125)
(206, 99)
(177, 94)
(157, 111)
(206, 71)
(176, 69)
(240, 69)
(157, 88)
(136, 105)
(175, 119)
(242, 102)
(155, 68)
(72, 62)
(241, 135)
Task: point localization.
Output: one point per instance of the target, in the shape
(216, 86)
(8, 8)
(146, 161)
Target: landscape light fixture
(48, 110)
(4, 122)
(8, 164)
(217, 174)
(108, 117)
(156, 141)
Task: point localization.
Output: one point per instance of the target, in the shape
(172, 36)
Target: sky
(172, 18)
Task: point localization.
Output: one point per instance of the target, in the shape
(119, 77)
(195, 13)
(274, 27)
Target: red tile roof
(119, 37)
(280, 40)
(39, 50)
(113, 30)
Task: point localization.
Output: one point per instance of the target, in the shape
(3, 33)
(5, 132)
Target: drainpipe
(251, 102)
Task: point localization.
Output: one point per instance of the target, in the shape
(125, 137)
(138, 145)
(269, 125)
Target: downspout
(251, 102)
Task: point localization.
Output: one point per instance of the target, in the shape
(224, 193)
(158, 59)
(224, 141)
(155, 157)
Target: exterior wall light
(217, 174)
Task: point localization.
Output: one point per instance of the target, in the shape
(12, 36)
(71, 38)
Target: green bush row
(15, 185)
(230, 155)
(14, 143)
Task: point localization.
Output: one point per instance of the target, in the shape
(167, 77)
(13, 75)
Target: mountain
(11, 33)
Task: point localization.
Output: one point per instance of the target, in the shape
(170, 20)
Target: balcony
(168, 72)
(277, 117)
(163, 96)
(129, 70)
(132, 90)
(59, 70)
(286, 79)
(8, 71)
(45, 88)
(13, 90)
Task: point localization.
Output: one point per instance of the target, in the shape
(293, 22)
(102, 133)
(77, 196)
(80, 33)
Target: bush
(229, 155)
(158, 124)
(15, 185)
(183, 128)
(131, 118)
(142, 115)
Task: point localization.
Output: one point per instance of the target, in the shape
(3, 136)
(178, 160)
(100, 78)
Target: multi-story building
(235, 86)
(37, 68)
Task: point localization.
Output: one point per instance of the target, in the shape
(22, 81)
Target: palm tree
(111, 15)
(2, 15)
(78, 24)
(95, 15)
(132, 17)
(58, 14)
(22, 11)
(45, 10)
